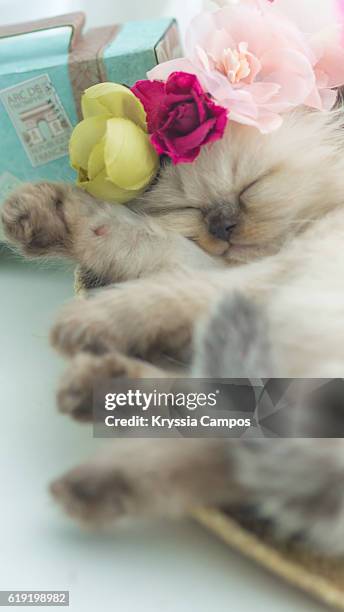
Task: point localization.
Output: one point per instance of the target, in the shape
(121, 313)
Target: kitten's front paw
(81, 327)
(142, 319)
(94, 495)
(33, 219)
(75, 394)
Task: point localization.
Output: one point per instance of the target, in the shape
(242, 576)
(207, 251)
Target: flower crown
(249, 62)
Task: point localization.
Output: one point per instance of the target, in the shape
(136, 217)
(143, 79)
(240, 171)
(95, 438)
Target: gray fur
(234, 343)
(295, 486)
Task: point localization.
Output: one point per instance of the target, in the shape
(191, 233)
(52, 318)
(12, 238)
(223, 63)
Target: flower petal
(183, 144)
(308, 15)
(150, 94)
(295, 55)
(162, 71)
(293, 72)
(84, 138)
(263, 92)
(103, 189)
(117, 100)
(166, 147)
(131, 161)
(181, 83)
(96, 161)
(332, 65)
(198, 33)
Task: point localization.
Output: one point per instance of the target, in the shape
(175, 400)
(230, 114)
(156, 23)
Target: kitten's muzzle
(221, 225)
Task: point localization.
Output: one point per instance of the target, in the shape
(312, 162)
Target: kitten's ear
(233, 342)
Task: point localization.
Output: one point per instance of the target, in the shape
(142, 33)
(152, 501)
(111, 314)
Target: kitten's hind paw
(94, 495)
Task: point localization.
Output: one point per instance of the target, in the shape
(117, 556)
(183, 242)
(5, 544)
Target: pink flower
(181, 116)
(255, 60)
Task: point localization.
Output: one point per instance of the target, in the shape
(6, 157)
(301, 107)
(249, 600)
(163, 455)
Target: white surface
(99, 12)
(172, 567)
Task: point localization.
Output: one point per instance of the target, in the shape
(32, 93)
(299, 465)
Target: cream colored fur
(285, 194)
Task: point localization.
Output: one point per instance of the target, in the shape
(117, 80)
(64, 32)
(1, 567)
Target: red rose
(181, 116)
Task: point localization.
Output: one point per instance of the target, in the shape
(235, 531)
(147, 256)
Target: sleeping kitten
(259, 215)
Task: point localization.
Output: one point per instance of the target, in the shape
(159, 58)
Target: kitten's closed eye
(245, 191)
(158, 211)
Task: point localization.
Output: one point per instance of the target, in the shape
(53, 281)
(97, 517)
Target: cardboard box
(45, 66)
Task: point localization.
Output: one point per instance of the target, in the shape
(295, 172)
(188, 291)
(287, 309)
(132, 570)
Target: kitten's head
(248, 193)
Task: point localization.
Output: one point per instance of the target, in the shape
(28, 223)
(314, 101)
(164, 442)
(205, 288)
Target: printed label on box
(39, 119)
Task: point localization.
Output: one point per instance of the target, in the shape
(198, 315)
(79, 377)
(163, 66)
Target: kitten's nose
(221, 225)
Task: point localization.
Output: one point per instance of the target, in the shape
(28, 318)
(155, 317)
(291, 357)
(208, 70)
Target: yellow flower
(110, 148)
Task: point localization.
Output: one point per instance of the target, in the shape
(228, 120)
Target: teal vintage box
(44, 68)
